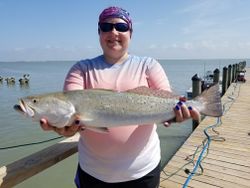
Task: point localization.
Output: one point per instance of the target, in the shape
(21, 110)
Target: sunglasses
(107, 27)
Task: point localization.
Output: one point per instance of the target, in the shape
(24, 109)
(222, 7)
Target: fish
(101, 109)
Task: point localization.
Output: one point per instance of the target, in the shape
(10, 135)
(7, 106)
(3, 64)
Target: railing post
(196, 86)
(196, 90)
(216, 76)
(224, 81)
(242, 65)
(233, 73)
(229, 78)
(237, 69)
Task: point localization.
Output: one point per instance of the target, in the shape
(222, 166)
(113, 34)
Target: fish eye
(34, 101)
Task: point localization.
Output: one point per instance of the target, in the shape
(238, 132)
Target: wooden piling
(216, 76)
(196, 90)
(229, 78)
(224, 80)
(196, 86)
(234, 73)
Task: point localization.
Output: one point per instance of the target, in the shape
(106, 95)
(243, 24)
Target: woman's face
(114, 43)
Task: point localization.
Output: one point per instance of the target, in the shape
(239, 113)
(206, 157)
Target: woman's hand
(182, 113)
(65, 131)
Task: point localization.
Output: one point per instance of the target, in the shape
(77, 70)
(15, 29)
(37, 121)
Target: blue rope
(206, 146)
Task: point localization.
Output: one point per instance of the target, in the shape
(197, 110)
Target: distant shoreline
(160, 59)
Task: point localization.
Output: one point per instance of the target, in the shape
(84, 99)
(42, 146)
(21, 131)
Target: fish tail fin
(211, 99)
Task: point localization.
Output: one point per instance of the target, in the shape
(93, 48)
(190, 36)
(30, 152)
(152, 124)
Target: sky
(32, 30)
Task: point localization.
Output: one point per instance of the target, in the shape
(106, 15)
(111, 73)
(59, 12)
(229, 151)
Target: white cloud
(198, 49)
(244, 45)
(207, 44)
(174, 46)
(208, 18)
(137, 23)
(206, 8)
(90, 47)
(195, 7)
(19, 49)
(188, 46)
(48, 52)
(153, 46)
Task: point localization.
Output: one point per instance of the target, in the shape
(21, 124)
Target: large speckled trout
(98, 108)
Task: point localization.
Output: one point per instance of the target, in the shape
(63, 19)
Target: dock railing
(230, 75)
(20, 170)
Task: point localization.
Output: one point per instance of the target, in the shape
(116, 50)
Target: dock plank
(219, 179)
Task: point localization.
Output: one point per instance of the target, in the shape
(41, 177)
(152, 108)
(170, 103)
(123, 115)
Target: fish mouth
(24, 109)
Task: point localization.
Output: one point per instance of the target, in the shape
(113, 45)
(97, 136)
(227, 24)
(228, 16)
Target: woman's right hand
(64, 131)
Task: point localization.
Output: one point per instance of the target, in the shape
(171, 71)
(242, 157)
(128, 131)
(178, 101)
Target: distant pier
(10, 81)
(222, 157)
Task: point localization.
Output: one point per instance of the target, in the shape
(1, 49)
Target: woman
(126, 156)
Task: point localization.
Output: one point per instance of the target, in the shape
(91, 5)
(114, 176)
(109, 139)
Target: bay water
(48, 76)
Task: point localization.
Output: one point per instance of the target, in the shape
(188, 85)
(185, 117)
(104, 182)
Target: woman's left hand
(182, 113)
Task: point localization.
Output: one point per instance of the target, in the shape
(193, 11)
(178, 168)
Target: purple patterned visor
(115, 12)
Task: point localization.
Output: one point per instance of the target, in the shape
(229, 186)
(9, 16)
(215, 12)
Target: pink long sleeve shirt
(124, 153)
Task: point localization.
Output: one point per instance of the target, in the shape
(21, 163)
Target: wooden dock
(226, 160)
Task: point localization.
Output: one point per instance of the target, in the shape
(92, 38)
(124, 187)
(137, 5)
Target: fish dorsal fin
(143, 90)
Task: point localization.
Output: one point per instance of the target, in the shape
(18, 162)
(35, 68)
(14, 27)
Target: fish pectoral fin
(98, 129)
(86, 121)
(81, 120)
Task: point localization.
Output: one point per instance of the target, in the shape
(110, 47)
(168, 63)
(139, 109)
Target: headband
(115, 12)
